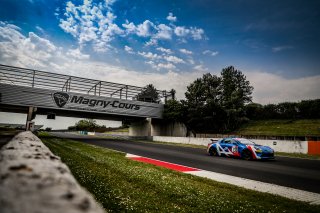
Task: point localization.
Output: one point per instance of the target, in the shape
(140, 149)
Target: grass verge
(303, 127)
(122, 185)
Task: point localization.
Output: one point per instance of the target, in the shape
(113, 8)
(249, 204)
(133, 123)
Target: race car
(240, 148)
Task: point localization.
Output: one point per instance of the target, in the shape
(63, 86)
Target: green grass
(122, 185)
(281, 128)
(118, 130)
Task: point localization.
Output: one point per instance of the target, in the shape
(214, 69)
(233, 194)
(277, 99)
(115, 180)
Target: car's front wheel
(246, 154)
(213, 151)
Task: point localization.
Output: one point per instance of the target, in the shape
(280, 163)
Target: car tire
(246, 154)
(213, 151)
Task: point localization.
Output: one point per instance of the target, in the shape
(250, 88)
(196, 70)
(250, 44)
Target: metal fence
(53, 81)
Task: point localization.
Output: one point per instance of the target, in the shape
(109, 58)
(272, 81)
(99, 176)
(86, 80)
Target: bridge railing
(53, 81)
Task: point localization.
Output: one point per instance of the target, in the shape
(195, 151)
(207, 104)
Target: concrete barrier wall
(185, 140)
(277, 145)
(285, 146)
(33, 179)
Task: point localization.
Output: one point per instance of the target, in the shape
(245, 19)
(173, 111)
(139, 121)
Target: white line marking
(291, 193)
(132, 156)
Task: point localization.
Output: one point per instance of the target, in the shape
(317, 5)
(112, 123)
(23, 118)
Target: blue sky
(169, 43)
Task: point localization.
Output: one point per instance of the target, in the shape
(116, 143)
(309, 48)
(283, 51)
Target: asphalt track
(296, 173)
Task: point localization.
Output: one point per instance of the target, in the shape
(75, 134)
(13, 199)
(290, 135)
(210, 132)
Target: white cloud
(185, 51)
(129, 27)
(281, 48)
(150, 55)
(191, 61)
(209, 52)
(171, 18)
(181, 31)
(174, 59)
(145, 29)
(76, 53)
(201, 68)
(87, 23)
(128, 49)
(164, 32)
(168, 66)
(94, 23)
(151, 42)
(109, 3)
(272, 88)
(40, 29)
(193, 32)
(164, 50)
(32, 51)
(196, 33)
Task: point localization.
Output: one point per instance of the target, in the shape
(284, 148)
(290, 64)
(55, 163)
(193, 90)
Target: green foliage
(149, 94)
(86, 125)
(235, 89)
(174, 111)
(203, 91)
(283, 127)
(222, 104)
(213, 104)
(307, 109)
(123, 185)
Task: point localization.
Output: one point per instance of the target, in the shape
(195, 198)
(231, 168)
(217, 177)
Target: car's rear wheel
(246, 154)
(213, 151)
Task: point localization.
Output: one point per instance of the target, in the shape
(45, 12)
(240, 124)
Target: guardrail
(53, 81)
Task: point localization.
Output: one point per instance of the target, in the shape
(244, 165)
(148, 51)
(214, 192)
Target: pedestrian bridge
(26, 90)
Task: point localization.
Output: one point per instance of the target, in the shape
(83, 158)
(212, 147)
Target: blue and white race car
(241, 148)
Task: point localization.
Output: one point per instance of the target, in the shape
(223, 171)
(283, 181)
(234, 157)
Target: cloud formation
(209, 52)
(281, 48)
(33, 51)
(95, 23)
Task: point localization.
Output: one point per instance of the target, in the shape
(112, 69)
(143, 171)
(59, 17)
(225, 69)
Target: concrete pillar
(30, 116)
(157, 127)
(140, 128)
(165, 128)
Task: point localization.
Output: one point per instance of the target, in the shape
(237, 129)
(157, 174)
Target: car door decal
(225, 150)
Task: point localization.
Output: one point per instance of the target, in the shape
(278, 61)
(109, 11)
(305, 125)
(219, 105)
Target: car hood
(264, 148)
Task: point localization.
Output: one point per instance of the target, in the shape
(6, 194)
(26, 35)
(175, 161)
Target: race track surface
(296, 173)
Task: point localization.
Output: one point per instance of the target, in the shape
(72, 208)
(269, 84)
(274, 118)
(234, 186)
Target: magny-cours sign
(43, 98)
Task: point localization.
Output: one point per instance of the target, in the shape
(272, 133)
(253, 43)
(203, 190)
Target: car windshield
(245, 141)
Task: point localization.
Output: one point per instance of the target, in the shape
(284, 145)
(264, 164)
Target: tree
(254, 111)
(149, 94)
(235, 93)
(213, 104)
(202, 102)
(87, 124)
(174, 111)
(235, 89)
(203, 91)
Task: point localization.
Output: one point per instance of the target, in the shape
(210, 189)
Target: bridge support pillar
(31, 115)
(140, 128)
(157, 127)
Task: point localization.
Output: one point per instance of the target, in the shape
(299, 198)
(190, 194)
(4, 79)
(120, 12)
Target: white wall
(184, 140)
(285, 146)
